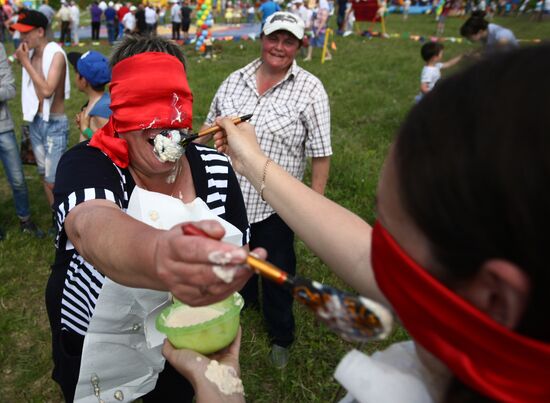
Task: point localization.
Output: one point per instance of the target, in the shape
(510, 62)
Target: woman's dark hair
(474, 24)
(474, 166)
(132, 45)
(473, 162)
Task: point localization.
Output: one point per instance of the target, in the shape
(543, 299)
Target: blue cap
(93, 66)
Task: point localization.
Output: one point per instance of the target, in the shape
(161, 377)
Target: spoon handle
(216, 128)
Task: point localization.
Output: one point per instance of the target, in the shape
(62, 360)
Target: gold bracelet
(262, 186)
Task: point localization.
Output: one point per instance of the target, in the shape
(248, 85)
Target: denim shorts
(49, 142)
(318, 41)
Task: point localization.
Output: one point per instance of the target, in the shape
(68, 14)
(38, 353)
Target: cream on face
(167, 147)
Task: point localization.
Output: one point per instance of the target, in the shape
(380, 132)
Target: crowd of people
(457, 250)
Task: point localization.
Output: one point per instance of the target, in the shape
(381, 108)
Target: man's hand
(22, 53)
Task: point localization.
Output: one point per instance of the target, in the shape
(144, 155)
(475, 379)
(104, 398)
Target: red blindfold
(483, 354)
(148, 91)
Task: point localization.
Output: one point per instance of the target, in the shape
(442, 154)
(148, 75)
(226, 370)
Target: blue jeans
(49, 142)
(111, 31)
(9, 153)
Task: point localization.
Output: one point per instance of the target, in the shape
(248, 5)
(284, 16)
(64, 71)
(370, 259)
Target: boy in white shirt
(432, 53)
(45, 86)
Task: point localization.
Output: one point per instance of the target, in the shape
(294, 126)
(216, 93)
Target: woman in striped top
(97, 239)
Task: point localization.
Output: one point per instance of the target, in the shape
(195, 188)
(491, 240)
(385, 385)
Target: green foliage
(371, 85)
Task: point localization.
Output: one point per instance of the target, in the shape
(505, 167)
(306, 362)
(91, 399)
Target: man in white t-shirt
(129, 20)
(432, 53)
(75, 21)
(45, 86)
(150, 18)
(175, 14)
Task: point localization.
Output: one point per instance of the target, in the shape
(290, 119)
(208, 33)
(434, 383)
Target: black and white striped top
(85, 173)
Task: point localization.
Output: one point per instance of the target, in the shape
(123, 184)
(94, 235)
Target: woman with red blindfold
(99, 243)
(460, 245)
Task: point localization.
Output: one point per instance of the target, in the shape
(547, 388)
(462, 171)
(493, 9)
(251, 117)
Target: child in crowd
(349, 20)
(432, 53)
(92, 75)
(319, 28)
(442, 11)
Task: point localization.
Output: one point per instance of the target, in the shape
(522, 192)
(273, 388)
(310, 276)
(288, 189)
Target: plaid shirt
(292, 122)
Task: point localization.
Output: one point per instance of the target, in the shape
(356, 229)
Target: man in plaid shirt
(291, 115)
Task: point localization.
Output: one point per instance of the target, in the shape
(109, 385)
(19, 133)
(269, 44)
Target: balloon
(203, 48)
(203, 7)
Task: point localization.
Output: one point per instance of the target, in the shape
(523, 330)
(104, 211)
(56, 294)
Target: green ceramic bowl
(206, 337)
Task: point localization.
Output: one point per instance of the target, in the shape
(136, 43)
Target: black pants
(67, 346)
(176, 30)
(95, 30)
(65, 32)
(341, 14)
(277, 238)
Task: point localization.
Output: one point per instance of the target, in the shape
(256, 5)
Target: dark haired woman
(459, 249)
(492, 36)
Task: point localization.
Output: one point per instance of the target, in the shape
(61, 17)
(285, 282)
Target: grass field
(371, 85)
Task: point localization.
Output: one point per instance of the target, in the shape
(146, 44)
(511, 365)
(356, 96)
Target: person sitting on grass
(459, 248)
(493, 37)
(92, 73)
(432, 54)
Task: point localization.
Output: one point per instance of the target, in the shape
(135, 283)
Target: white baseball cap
(284, 21)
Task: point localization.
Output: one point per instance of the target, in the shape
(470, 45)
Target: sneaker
(279, 356)
(28, 227)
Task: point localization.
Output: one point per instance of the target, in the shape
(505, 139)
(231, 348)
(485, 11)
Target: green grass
(371, 85)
